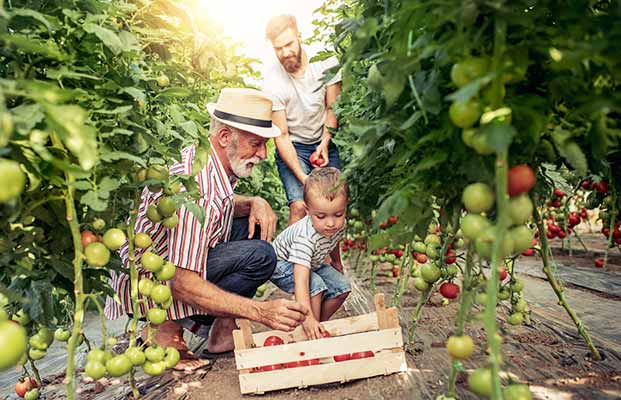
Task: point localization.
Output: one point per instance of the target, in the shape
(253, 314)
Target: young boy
(302, 248)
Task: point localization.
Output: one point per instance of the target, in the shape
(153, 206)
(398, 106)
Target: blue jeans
(324, 279)
(238, 266)
(293, 187)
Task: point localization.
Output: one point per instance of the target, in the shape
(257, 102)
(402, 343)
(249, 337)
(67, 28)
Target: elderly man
(302, 110)
(220, 263)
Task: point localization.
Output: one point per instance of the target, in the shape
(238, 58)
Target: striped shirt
(301, 244)
(186, 245)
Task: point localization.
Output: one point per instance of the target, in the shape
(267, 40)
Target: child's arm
(335, 255)
(311, 326)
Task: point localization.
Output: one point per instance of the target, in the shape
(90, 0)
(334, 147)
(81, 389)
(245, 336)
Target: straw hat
(246, 109)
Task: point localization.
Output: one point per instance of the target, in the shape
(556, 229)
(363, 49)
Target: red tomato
(503, 274)
(393, 219)
(362, 354)
(395, 272)
(316, 159)
(561, 234)
(383, 225)
(398, 253)
(550, 234)
(602, 187)
(23, 386)
(451, 257)
(559, 193)
(585, 184)
(421, 258)
(342, 357)
(273, 341)
(599, 263)
(449, 290)
(87, 237)
(528, 252)
(556, 203)
(616, 234)
(521, 179)
(606, 231)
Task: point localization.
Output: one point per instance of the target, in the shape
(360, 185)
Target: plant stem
(77, 286)
(464, 307)
(373, 272)
(424, 297)
(133, 276)
(35, 371)
(545, 252)
(396, 296)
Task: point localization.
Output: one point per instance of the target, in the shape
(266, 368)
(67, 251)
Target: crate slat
(320, 348)
(337, 327)
(382, 364)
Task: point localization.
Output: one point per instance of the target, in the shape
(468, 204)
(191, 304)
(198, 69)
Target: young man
(219, 263)
(302, 110)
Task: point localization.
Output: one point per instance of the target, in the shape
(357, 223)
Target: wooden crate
(379, 332)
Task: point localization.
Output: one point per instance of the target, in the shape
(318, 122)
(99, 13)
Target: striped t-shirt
(185, 245)
(301, 244)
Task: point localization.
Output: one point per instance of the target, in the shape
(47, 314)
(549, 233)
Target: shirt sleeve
(301, 252)
(330, 63)
(188, 241)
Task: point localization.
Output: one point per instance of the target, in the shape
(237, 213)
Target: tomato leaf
(499, 135)
(107, 37)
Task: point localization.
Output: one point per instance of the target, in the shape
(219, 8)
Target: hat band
(243, 120)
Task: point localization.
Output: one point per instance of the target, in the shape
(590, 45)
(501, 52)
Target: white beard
(240, 166)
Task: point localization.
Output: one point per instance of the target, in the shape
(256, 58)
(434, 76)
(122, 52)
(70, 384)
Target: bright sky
(244, 21)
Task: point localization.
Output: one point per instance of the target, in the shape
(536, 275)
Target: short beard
(239, 166)
(293, 67)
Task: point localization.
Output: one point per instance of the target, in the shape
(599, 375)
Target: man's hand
(261, 213)
(322, 152)
(312, 328)
(282, 314)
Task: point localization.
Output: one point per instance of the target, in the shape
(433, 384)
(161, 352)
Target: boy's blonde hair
(278, 24)
(324, 182)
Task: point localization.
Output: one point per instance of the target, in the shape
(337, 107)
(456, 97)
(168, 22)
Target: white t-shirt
(303, 99)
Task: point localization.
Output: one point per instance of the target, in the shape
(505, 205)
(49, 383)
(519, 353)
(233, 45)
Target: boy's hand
(312, 328)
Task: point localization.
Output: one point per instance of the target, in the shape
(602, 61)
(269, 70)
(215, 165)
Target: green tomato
(458, 244)
(481, 298)
(520, 209)
(154, 368)
(433, 238)
(452, 270)
(163, 81)
(522, 238)
(111, 341)
(517, 286)
(114, 238)
(36, 354)
(485, 241)
(166, 206)
(37, 342)
(480, 382)
(473, 224)
(156, 316)
(515, 318)
(433, 252)
(152, 214)
(160, 294)
(504, 294)
(430, 272)
(481, 145)
(517, 391)
(95, 370)
(99, 224)
(135, 355)
(420, 247)
(32, 394)
(478, 198)
(152, 262)
(46, 335)
(155, 353)
(119, 365)
(460, 347)
(12, 180)
(142, 240)
(4, 316)
(13, 344)
(97, 254)
(21, 317)
(465, 114)
(467, 136)
(420, 284)
(62, 335)
(520, 306)
(467, 70)
(145, 286)
(171, 357)
(171, 221)
(96, 355)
